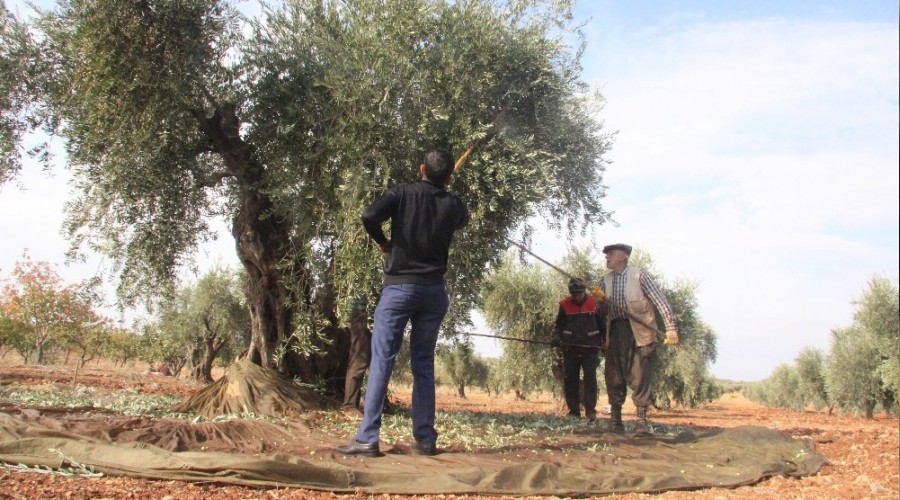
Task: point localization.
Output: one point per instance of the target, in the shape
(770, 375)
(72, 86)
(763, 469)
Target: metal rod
(529, 252)
(544, 342)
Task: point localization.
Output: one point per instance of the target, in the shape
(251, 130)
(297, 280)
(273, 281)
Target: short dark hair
(438, 165)
(576, 285)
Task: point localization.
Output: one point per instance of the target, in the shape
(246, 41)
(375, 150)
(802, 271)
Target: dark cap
(576, 285)
(618, 246)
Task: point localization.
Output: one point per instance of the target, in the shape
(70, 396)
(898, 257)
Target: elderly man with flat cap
(631, 345)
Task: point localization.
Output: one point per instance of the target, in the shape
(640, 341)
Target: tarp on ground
(260, 453)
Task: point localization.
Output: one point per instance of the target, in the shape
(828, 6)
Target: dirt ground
(863, 454)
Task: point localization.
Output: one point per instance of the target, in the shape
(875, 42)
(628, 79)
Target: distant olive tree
(851, 374)
(779, 390)
(122, 346)
(521, 301)
(14, 335)
(217, 308)
(810, 365)
(879, 314)
(162, 342)
(861, 368)
(462, 367)
(201, 320)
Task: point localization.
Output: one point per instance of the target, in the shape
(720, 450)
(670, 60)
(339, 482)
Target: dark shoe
(574, 414)
(615, 419)
(642, 428)
(426, 449)
(357, 448)
(591, 416)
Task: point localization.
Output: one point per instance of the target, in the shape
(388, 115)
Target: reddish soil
(862, 454)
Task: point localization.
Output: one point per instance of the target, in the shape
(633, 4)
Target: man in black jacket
(423, 218)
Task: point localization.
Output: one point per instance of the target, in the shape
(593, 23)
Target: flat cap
(618, 246)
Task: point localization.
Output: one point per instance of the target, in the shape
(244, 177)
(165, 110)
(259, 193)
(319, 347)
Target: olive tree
(879, 313)
(851, 373)
(462, 367)
(860, 372)
(810, 365)
(17, 96)
(520, 302)
(220, 317)
(781, 389)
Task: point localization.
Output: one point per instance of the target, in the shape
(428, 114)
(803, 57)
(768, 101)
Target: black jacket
(423, 218)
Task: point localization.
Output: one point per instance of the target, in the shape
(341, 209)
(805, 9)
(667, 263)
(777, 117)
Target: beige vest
(637, 304)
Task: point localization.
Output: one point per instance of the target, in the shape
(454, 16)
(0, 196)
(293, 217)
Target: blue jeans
(424, 306)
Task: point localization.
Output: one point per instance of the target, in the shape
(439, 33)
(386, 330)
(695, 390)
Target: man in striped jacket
(631, 344)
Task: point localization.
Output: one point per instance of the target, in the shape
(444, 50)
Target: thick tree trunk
(263, 242)
(870, 409)
(39, 350)
(261, 236)
(202, 366)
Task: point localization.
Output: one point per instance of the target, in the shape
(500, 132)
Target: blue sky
(757, 155)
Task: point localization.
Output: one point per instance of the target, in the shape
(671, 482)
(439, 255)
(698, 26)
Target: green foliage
(127, 402)
(810, 366)
(858, 375)
(861, 369)
(851, 371)
(477, 431)
(15, 334)
(45, 314)
(521, 301)
(16, 96)
(682, 372)
(200, 321)
(879, 314)
(219, 309)
(163, 341)
(781, 389)
(462, 367)
(122, 346)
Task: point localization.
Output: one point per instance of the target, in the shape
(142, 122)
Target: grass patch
(472, 431)
(126, 401)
